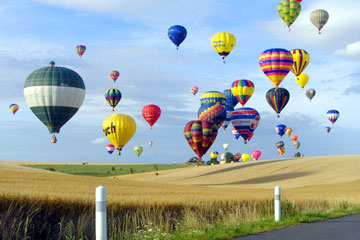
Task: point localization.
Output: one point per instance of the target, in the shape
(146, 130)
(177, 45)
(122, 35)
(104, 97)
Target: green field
(107, 170)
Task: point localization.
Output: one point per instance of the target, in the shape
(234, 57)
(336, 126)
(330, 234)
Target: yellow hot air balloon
(301, 59)
(302, 80)
(119, 129)
(245, 157)
(289, 10)
(288, 131)
(223, 42)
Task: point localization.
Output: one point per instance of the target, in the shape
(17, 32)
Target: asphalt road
(344, 228)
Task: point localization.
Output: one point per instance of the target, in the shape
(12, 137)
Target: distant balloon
(310, 93)
(110, 148)
(80, 49)
(236, 134)
(113, 97)
(294, 138)
(226, 146)
(281, 150)
(301, 59)
(114, 75)
(229, 109)
(328, 129)
(151, 114)
(299, 1)
(245, 121)
(245, 157)
(230, 98)
(277, 98)
(14, 108)
(319, 18)
(223, 43)
(51, 63)
(138, 150)
(288, 131)
(256, 155)
(333, 115)
(194, 90)
(150, 143)
(302, 80)
(242, 90)
(297, 144)
(289, 10)
(214, 154)
(53, 139)
(223, 156)
(280, 129)
(280, 144)
(177, 34)
(276, 63)
(200, 135)
(237, 156)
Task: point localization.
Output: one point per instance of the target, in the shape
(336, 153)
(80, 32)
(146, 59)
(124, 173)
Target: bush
(51, 169)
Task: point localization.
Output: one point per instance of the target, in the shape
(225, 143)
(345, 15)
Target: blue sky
(131, 37)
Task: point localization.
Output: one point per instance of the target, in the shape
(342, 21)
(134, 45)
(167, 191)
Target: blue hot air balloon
(280, 144)
(229, 109)
(230, 98)
(333, 115)
(328, 129)
(280, 129)
(177, 34)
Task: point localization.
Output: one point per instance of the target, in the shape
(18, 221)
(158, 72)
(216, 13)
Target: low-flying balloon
(177, 34)
(328, 129)
(194, 90)
(319, 18)
(114, 75)
(151, 114)
(80, 49)
(223, 43)
(294, 138)
(138, 150)
(277, 98)
(288, 131)
(214, 154)
(297, 144)
(110, 148)
(245, 157)
(237, 156)
(280, 144)
(280, 129)
(333, 115)
(289, 10)
(281, 151)
(256, 154)
(242, 90)
(245, 121)
(119, 129)
(14, 108)
(302, 80)
(113, 97)
(226, 146)
(310, 93)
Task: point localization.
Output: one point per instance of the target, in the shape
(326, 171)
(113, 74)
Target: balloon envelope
(333, 115)
(328, 129)
(245, 121)
(230, 98)
(151, 114)
(235, 133)
(213, 107)
(226, 146)
(242, 89)
(150, 143)
(237, 156)
(289, 10)
(277, 98)
(302, 80)
(114, 75)
(138, 150)
(310, 93)
(288, 131)
(223, 43)
(80, 50)
(319, 18)
(245, 157)
(280, 144)
(229, 109)
(214, 154)
(280, 129)
(14, 108)
(301, 59)
(177, 34)
(194, 90)
(294, 138)
(110, 148)
(113, 97)
(297, 144)
(256, 154)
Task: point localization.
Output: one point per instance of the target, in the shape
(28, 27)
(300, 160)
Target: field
(186, 199)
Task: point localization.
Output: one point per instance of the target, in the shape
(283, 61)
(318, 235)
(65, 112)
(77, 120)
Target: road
(343, 228)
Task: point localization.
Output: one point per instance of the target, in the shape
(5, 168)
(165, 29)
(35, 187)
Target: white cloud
(99, 140)
(351, 50)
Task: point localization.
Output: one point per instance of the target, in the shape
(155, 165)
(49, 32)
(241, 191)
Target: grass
(106, 170)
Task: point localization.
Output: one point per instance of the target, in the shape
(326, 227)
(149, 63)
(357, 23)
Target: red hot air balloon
(114, 75)
(294, 138)
(200, 135)
(194, 90)
(151, 113)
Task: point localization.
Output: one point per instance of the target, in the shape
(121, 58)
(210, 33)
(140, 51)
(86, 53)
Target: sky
(131, 37)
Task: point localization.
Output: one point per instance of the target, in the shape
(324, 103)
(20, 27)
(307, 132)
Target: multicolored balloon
(310, 93)
(280, 129)
(280, 144)
(333, 115)
(301, 59)
(281, 151)
(53, 139)
(223, 43)
(237, 156)
(245, 121)
(213, 107)
(151, 114)
(177, 34)
(294, 138)
(289, 10)
(114, 75)
(80, 49)
(194, 90)
(236, 134)
(226, 146)
(276, 63)
(200, 135)
(110, 148)
(328, 129)
(297, 144)
(242, 89)
(319, 18)
(302, 80)
(245, 157)
(214, 154)
(150, 143)
(14, 108)
(288, 131)
(138, 150)
(277, 98)
(119, 129)
(230, 98)
(256, 154)
(113, 97)
(229, 109)
(51, 63)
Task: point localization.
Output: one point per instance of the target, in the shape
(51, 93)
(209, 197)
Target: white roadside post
(277, 204)
(100, 213)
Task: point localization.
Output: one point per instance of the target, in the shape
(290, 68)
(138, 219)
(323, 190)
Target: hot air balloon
(280, 129)
(223, 42)
(54, 95)
(230, 98)
(213, 107)
(281, 150)
(242, 90)
(110, 148)
(299, 1)
(213, 97)
(51, 63)
(114, 75)
(256, 154)
(236, 134)
(53, 139)
(333, 115)
(119, 129)
(150, 143)
(288, 131)
(229, 109)
(276, 64)
(280, 144)
(297, 144)
(80, 49)
(250, 136)
(151, 113)
(310, 93)
(302, 80)
(214, 154)
(194, 90)
(277, 98)
(319, 18)
(328, 129)
(245, 157)
(177, 34)
(301, 59)
(294, 138)
(14, 108)
(245, 121)
(200, 135)
(223, 156)
(226, 146)
(289, 10)
(113, 97)
(138, 150)
(237, 156)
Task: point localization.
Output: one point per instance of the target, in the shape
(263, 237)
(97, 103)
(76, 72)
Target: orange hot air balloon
(194, 90)
(294, 138)
(151, 113)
